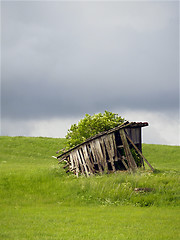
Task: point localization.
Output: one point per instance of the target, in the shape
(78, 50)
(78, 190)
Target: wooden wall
(107, 153)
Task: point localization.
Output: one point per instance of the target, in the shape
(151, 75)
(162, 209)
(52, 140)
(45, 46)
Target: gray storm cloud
(63, 59)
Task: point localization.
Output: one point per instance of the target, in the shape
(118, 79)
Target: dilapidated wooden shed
(117, 149)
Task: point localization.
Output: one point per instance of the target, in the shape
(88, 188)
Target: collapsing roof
(117, 149)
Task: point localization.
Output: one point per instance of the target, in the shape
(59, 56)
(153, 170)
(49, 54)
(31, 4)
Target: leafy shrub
(90, 126)
(136, 157)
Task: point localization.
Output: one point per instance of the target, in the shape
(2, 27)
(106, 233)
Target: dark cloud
(62, 59)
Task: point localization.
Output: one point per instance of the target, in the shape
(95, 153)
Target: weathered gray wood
(102, 147)
(80, 162)
(86, 156)
(114, 146)
(76, 162)
(138, 151)
(104, 154)
(126, 166)
(71, 161)
(122, 126)
(134, 134)
(76, 157)
(108, 147)
(129, 157)
(122, 159)
(96, 155)
(120, 146)
(62, 159)
(90, 154)
(67, 165)
(83, 162)
(99, 153)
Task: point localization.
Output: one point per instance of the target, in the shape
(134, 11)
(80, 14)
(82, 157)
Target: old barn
(117, 149)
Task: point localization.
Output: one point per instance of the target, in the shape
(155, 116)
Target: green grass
(88, 223)
(163, 157)
(38, 200)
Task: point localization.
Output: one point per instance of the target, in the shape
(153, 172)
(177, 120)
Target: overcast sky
(63, 59)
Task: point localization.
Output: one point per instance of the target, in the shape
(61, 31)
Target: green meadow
(39, 201)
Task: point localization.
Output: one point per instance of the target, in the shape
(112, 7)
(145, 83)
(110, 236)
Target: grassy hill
(35, 192)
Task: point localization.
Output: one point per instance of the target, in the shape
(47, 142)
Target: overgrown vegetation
(90, 126)
(36, 192)
(29, 174)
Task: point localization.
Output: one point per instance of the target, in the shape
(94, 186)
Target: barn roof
(122, 126)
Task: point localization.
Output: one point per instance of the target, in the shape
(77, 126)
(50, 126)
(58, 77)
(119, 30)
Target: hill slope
(38, 200)
(29, 174)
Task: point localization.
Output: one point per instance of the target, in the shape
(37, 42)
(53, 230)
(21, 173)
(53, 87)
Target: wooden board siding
(107, 152)
(104, 152)
(140, 154)
(110, 150)
(131, 162)
(87, 159)
(135, 135)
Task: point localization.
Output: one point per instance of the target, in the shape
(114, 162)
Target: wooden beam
(83, 162)
(126, 166)
(114, 146)
(95, 155)
(80, 162)
(74, 157)
(138, 151)
(109, 151)
(129, 157)
(99, 153)
(86, 156)
(71, 161)
(104, 154)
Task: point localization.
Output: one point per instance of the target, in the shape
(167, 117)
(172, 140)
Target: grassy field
(38, 200)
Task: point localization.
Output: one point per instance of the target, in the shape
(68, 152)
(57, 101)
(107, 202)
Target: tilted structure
(117, 149)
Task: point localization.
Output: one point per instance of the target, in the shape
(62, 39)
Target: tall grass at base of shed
(53, 185)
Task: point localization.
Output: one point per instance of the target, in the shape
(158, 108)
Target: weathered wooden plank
(108, 147)
(102, 147)
(90, 154)
(120, 146)
(137, 141)
(99, 152)
(87, 159)
(83, 162)
(74, 157)
(98, 155)
(71, 161)
(95, 155)
(123, 161)
(122, 126)
(67, 165)
(104, 154)
(80, 162)
(114, 146)
(129, 157)
(138, 151)
(62, 159)
(77, 165)
(134, 134)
